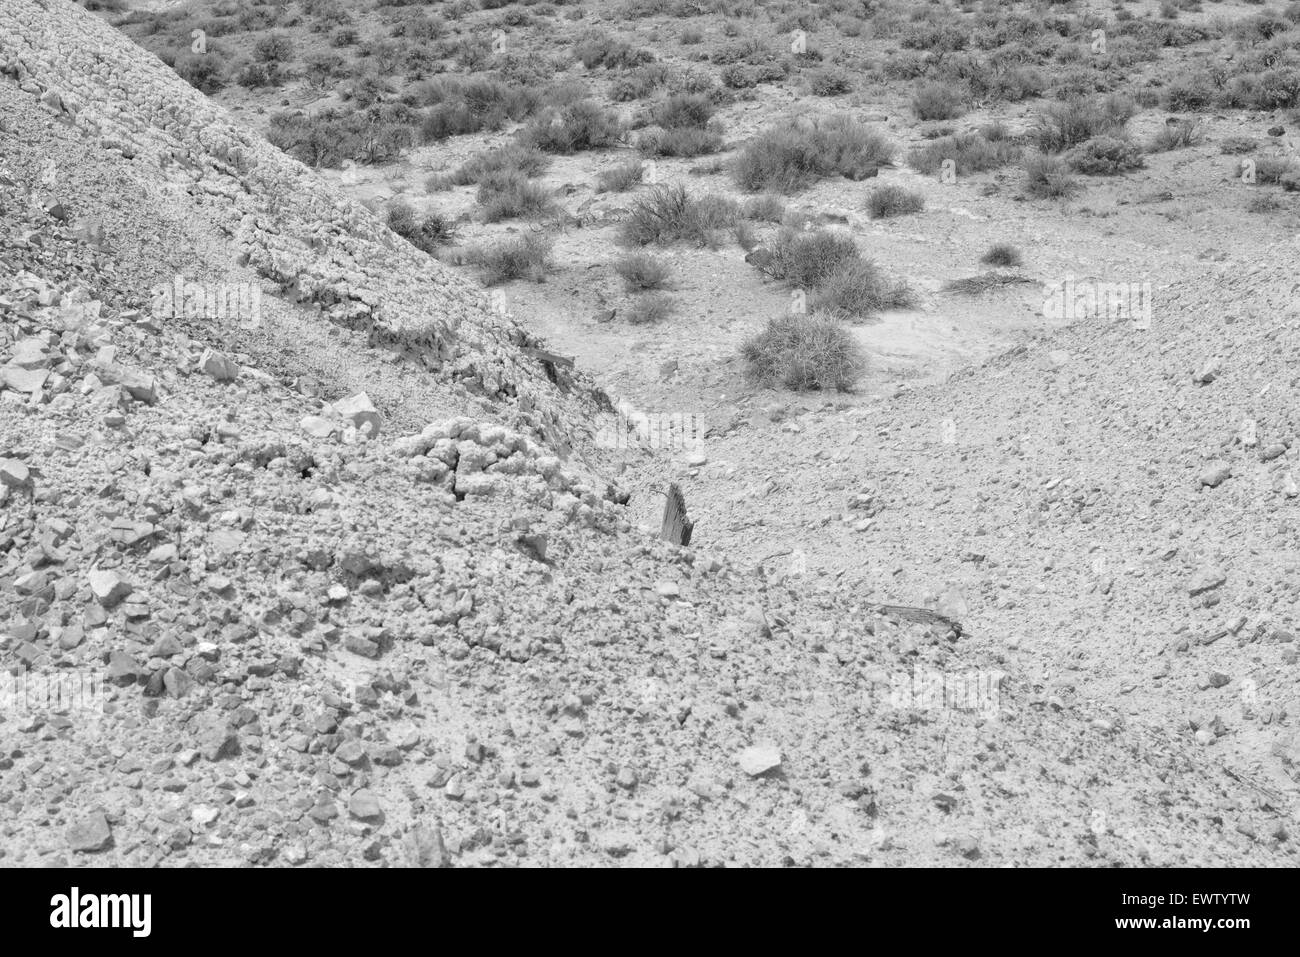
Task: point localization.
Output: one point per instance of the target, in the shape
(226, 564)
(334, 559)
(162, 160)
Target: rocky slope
(443, 642)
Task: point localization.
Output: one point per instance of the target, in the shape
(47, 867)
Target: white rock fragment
(218, 366)
(361, 412)
(759, 759)
(108, 587)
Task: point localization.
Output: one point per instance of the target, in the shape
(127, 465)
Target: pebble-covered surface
(329, 636)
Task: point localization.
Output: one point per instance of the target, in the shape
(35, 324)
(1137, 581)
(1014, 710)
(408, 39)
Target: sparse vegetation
(937, 101)
(766, 208)
(830, 266)
(582, 125)
(426, 233)
(520, 257)
(650, 308)
(1048, 177)
(1002, 254)
(970, 152)
(790, 156)
(804, 259)
(805, 351)
(888, 201)
(620, 177)
(1063, 125)
(1176, 136)
(512, 158)
(1105, 156)
(669, 214)
(641, 271)
(506, 194)
(858, 290)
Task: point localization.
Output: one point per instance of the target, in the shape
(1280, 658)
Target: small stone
(424, 847)
(361, 412)
(364, 806)
(203, 815)
(90, 834)
(1207, 373)
(14, 474)
(317, 426)
(108, 587)
(1215, 474)
(759, 759)
(23, 380)
(1207, 579)
(218, 366)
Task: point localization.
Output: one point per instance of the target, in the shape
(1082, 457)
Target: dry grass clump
(805, 351)
(791, 156)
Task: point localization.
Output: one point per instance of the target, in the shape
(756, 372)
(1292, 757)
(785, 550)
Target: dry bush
(641, 271)
(792, 155)
(805, 351)
(520, 257)
(888, 201)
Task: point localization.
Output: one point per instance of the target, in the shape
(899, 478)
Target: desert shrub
(1048, 177)
(1176, 136)
(970, 152)
(1277, 89)
(1063, 125)
(459, 106)
(619, 178)
(766, 208)
(1263, 203)
(1105, 156)
(1016, 83)
(829, 82)
(1189, 95)
(321, 68)
(1236, 145)
(858, 289)
(252, 76)
(425, 233)
(792, 155)
(887, 201)
(669, 214)
(581, 125)
(1277, 170)
(598, 48)
(683, 141)
(641, 271)
(647, 309)
(938, 37)
(273, 48)
(1002, 254)
(330, 137)
(344, 37)
(519, 257)
(203, 72)
(805, 258)
(683, 110)
(805, 351)
(937, 101)
(510, 158)
(506, 194)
